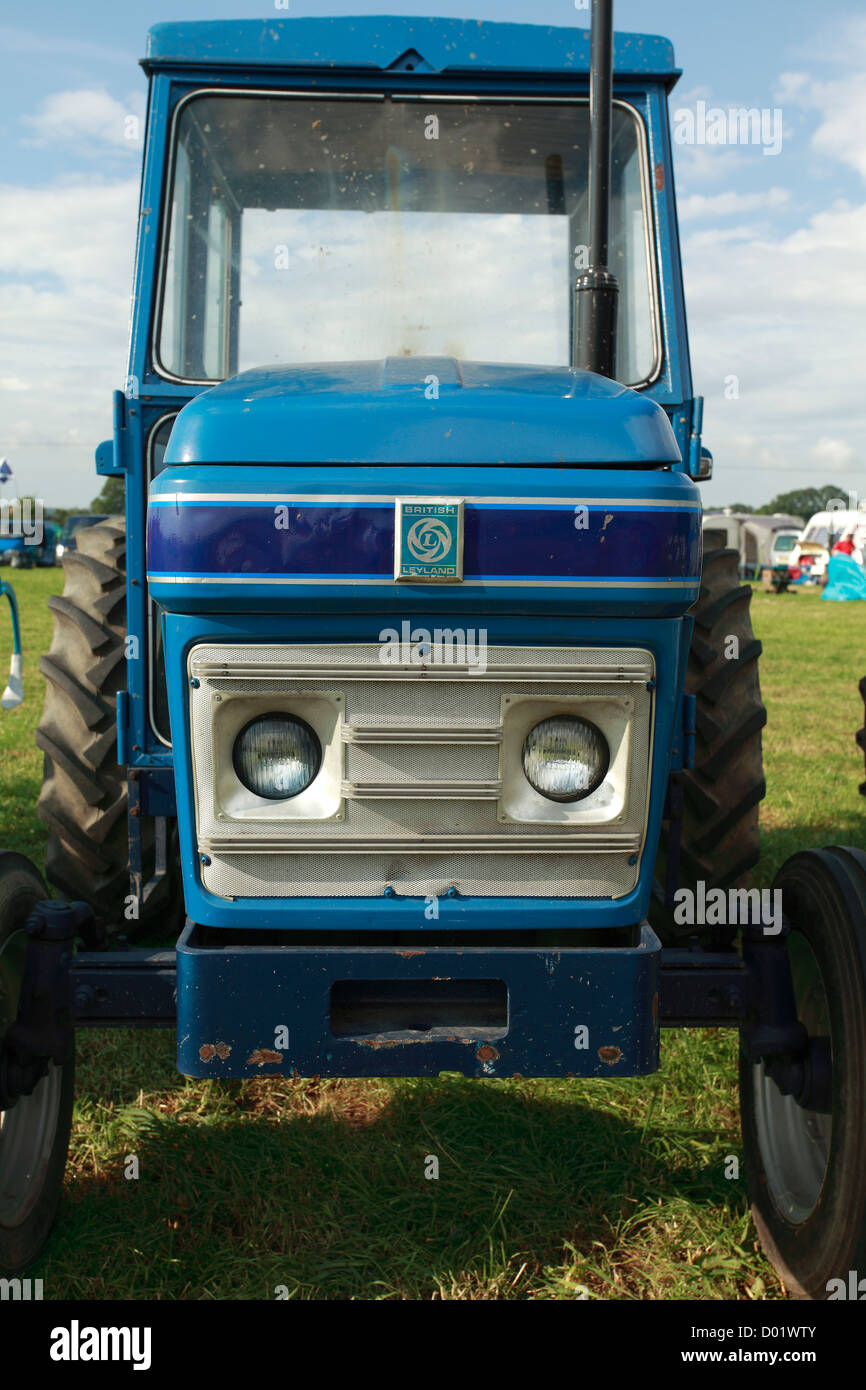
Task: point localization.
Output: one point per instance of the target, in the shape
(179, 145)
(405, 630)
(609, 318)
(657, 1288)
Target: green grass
(814, 656)
(20, 759)
(545, 1186)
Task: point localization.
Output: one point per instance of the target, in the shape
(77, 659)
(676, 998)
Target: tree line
(804, 502)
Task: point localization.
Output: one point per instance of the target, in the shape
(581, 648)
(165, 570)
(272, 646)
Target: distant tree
(803, 502)
(111, 499)
(740, 507)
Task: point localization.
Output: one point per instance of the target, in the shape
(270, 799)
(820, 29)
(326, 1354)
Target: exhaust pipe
(596, 291)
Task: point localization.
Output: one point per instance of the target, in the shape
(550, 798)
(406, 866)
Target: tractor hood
(422, 410)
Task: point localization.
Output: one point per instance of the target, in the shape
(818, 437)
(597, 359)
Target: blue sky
(774, 247)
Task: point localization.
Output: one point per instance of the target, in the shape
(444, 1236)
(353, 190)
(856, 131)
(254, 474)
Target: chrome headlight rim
(595, 734)
(278, 717)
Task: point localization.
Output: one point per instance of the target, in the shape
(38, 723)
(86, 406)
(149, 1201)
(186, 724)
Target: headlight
(277, 756)
(565, 758)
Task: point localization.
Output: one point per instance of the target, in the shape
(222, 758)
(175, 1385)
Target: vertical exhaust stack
(596, 291)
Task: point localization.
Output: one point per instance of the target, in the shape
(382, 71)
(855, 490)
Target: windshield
(307, 230)
(785, 542)
(817, 535)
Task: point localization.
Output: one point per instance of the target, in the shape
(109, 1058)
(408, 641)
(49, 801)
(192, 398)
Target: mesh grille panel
(392, 831)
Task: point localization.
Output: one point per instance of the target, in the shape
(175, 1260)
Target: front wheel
(34, 1131)
(805, 1169)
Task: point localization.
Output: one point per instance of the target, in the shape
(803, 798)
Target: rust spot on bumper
(264, 1056)
(208, 1051)
(487, 1053)
(610, 1054)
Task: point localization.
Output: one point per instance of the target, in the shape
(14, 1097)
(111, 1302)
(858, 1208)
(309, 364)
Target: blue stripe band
(357, 541)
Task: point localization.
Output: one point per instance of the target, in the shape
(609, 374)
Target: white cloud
(66, 251)
(784, 314)
(708, 163)
(833, 454)
(88, 118)
(842, 132)
(783, 317)
(79, 231)
(792, 87)
(841, 102)
(726, 204)
(48, 42)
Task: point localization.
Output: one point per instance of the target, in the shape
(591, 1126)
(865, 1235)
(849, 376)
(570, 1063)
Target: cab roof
(397, 43)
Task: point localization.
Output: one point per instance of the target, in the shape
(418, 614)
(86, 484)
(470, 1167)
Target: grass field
(545, 1187)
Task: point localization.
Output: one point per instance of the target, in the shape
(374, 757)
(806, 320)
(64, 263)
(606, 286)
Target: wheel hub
(26, 1138)
(795, 1140)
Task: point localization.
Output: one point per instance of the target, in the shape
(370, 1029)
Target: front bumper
(250, 1007)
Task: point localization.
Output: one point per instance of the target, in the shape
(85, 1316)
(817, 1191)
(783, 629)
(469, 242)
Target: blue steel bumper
(273, 1009)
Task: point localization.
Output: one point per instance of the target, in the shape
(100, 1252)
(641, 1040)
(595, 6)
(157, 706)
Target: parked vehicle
(72, 526)
(782, 546)
(763, 542)
(19, 553)
(429, 716)
(823, 530)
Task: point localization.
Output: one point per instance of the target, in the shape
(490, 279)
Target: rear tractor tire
(83, 800)
(721, 795)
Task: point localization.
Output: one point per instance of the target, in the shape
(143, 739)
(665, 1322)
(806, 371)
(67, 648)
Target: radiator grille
(419, 772)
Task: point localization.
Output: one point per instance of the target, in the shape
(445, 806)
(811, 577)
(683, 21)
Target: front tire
(805, 1170)
(34, 1132)
(861, 733)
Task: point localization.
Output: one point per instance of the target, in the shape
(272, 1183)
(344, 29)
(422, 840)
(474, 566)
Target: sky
(774, 245)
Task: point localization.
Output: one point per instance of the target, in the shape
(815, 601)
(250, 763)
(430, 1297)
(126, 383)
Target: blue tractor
(20, 551)
(400, 694)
